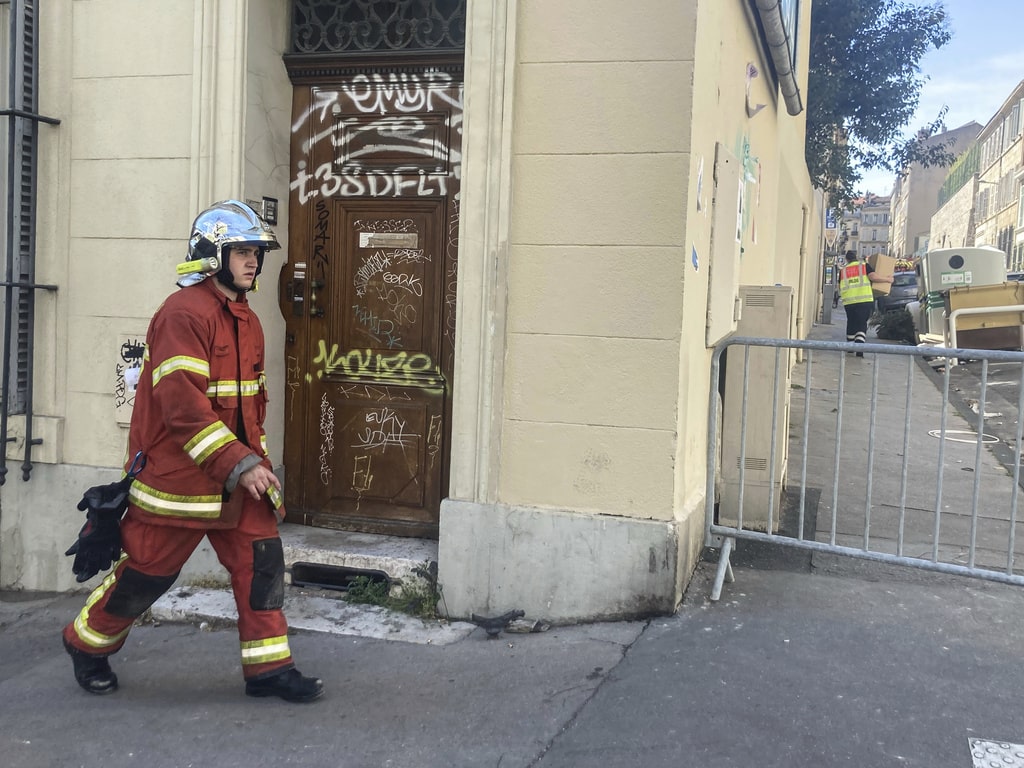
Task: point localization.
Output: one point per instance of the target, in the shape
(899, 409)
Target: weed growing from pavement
(417, 597)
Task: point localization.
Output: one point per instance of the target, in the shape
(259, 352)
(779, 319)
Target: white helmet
(223, 224)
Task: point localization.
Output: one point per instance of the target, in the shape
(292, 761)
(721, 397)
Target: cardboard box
(885, 266)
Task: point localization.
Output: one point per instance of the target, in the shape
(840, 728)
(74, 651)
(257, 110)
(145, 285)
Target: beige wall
(952, 225)
(606, 312)
(599, 169)
(601, 384)
(266, 173)
(129, 129)
(152, 131)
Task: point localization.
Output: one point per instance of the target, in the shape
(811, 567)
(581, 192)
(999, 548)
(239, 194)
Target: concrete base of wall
(564, 567)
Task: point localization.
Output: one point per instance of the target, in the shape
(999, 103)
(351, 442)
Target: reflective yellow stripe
(160, 503)
(230, 388)
(90, 636)
(209, 440)
(263, 651)
(263, 444)
(181, 363)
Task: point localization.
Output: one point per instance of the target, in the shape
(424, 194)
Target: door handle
(314, 310)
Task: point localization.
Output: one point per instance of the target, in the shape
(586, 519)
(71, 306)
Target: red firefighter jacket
(199, 409)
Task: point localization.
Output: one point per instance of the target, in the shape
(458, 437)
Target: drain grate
(337, 577)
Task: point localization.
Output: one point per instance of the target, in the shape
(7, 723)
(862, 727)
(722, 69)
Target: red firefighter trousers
(153, 556)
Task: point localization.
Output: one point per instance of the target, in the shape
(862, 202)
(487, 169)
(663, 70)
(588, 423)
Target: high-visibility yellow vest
(854, 286)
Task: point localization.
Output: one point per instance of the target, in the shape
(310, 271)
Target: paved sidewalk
(905, 459)
(805, 661)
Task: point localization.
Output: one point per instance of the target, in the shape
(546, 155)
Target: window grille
(19, 284)
(377, 26)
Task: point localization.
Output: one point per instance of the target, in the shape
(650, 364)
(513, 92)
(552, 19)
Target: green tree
(864, 86)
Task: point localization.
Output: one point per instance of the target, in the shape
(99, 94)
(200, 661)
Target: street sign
(831, 230)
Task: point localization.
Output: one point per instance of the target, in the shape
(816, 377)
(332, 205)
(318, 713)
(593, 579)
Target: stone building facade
(915, 195)
(1000, 182)
(507, 249)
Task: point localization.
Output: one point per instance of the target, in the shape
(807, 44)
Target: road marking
(996, 754)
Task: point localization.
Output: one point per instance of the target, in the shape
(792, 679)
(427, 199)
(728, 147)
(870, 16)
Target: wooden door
(368, 293)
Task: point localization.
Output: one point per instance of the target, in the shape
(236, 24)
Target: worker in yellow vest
(858, 299)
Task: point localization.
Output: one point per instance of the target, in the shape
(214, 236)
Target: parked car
(902, 291)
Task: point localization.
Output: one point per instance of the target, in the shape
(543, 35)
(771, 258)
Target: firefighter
(858, 298)
(198, 425)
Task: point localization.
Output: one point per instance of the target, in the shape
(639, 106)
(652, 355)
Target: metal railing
(878, 458)
(19, 285)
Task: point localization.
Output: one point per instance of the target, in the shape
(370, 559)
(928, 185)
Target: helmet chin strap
(227, 278)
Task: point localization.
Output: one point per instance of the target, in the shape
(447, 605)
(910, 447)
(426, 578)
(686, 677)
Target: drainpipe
(780, 46)
(803, 266)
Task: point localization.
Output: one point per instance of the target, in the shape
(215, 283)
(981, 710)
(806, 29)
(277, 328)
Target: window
(1006, 194)
(904, 278)
(1011, 127)
(982, 204)
(790, 10)
(1004, 241)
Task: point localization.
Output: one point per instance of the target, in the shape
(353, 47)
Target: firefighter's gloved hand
(99, 541)
(98, 544)
(110, 498)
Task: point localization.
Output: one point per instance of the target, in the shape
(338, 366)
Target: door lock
(296, 294)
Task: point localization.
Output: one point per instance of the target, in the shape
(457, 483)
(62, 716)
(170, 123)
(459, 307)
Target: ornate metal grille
(354, 26)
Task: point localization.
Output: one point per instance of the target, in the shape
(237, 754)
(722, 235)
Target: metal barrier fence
(892, 457)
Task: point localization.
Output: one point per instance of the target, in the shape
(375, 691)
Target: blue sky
(972, 74)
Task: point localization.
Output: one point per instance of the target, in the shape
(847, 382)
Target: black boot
(93, 673)
(290, 685)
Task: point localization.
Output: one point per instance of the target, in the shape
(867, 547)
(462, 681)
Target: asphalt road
(1001, 391)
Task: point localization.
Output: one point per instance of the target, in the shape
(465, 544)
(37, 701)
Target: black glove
(99, 541)
(98, 545)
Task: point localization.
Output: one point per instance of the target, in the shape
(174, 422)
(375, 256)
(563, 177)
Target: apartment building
(865, 226)
(506, 229)
(980, 198)
(916, 193)
(1000, 181)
